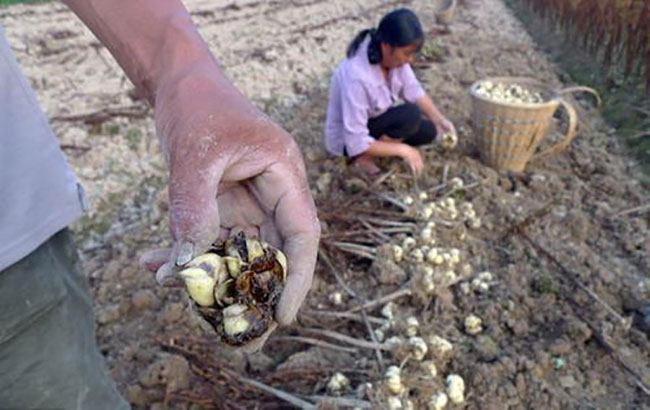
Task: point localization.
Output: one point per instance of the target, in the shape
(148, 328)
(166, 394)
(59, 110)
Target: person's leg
(424, 135)
(400, 122)
(48, 352)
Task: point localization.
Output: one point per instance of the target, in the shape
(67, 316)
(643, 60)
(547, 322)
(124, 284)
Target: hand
(444, 126)
(413, 158)
(232, 169)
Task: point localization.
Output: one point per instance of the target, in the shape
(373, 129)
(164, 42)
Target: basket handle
(570, 134)
(577, 89)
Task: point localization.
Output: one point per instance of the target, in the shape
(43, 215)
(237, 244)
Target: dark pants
(403, 122)
(48, 355)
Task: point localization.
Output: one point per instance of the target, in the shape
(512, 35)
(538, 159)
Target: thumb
(154, 259)
(193, 212)
(157, 260)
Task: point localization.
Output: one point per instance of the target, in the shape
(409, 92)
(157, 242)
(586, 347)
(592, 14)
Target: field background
(566, 241)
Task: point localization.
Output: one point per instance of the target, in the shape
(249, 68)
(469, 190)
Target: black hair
(398, 28)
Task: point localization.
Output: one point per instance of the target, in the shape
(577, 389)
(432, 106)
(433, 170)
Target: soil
(564, 311)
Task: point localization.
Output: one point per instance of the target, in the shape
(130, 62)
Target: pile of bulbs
(446, 208)
(408, 343)
(508, 93)
(480, 284)
(434, 266)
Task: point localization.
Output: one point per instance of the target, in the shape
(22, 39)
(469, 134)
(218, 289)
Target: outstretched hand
(232, 169)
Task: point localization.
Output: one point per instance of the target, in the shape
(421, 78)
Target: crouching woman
(363, 121)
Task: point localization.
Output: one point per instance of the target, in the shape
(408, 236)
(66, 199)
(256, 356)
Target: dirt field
(565, 309)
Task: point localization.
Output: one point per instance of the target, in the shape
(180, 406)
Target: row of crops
(618, 31)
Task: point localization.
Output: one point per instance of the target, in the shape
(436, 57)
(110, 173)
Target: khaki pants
(48, 353)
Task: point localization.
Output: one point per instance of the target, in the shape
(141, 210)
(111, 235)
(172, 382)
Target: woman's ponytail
(374, 51)
(358, 39)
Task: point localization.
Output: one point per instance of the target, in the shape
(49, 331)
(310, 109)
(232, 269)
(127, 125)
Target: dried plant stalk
(619, 30)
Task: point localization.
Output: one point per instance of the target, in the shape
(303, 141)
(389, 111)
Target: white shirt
(39, 194)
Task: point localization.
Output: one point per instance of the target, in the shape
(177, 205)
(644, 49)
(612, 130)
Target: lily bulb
(200, 285)
(212, 264)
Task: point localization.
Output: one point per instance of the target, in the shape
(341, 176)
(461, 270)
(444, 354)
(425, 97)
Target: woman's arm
(412, 91)
(433, 113)
(384, 148)
(429, 108)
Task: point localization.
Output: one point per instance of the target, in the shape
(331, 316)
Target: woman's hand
(386, 147)
(232, 169)
(413, 158)
(444, 126)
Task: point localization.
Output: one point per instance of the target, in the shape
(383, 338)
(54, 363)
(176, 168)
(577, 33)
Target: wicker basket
(508, 134)
(444, 11)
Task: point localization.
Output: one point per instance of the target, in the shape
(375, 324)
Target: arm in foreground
(230, 166)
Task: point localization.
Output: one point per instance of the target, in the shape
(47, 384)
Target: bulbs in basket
(508, 93)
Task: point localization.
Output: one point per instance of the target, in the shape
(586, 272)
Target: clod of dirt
(486, 348)
(641, 319)
(172, 372)
(138, 396)
(354, 185)
(560, 347)
(173, 313)
(579, 331)
(108, 314)
(385, 269)
(144, 299)
(314, 357)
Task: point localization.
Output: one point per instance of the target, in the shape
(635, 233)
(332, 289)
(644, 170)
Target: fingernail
(185, 253)
(164, 273)
(144, 259)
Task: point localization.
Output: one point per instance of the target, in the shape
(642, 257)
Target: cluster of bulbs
(422, 349)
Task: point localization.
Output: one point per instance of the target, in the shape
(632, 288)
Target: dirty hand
(232, 169)
(413, 158)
